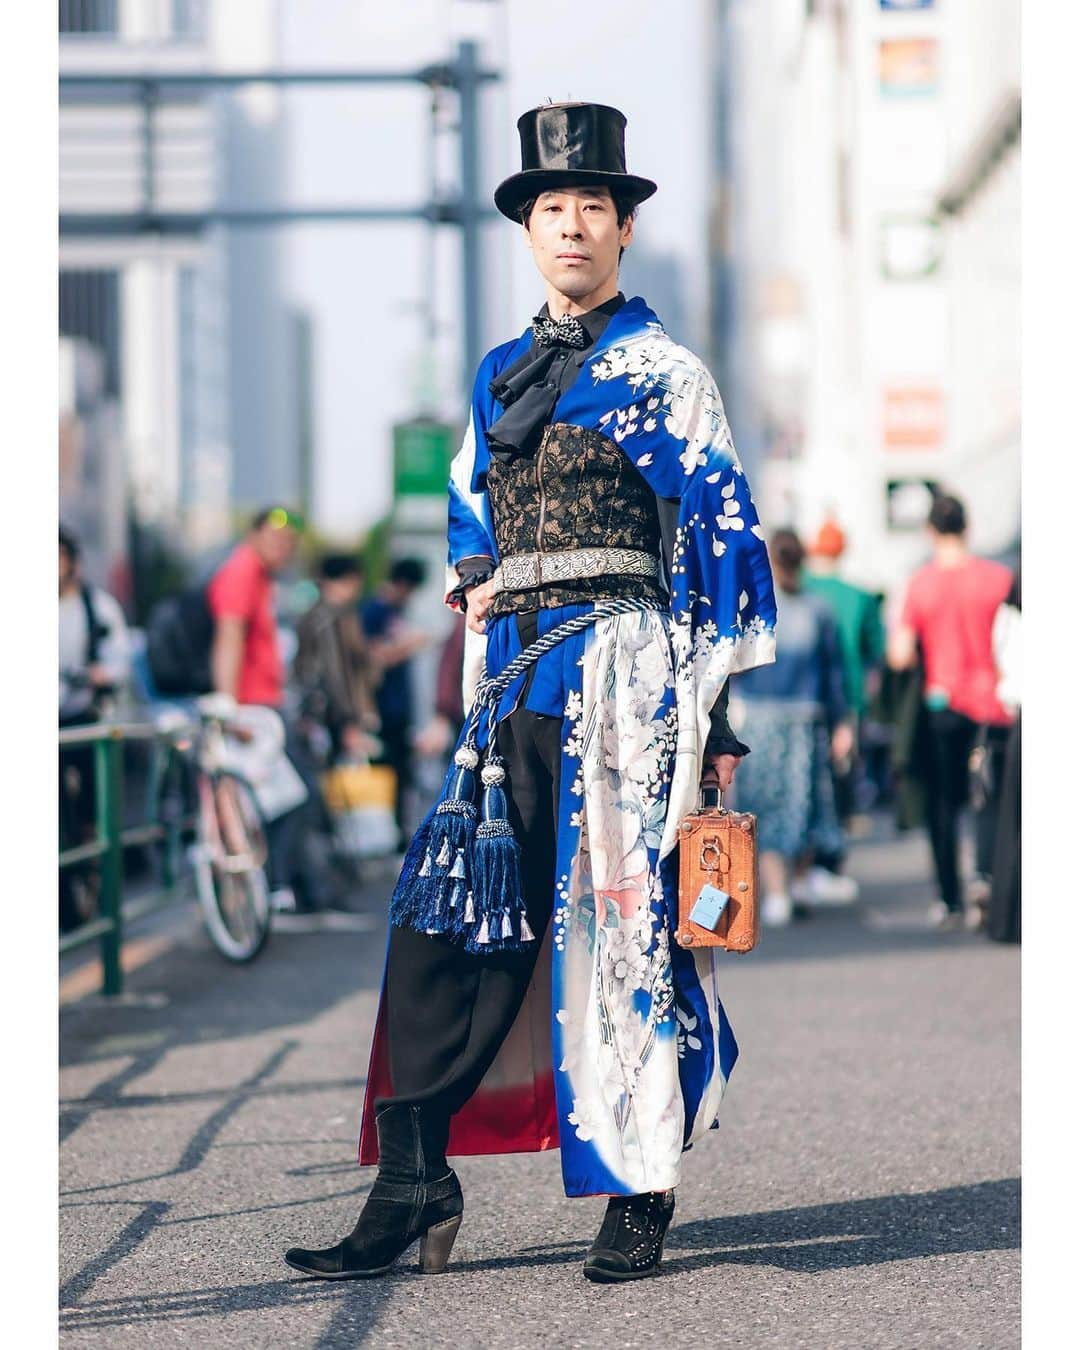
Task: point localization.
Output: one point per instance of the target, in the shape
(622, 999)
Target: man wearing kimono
(597, 471)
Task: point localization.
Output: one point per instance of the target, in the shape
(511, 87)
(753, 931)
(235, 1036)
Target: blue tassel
(436, 862)
(417, 864)
(496, 873)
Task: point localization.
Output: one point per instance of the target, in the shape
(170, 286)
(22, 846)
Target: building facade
(183, 320)
(870, 273)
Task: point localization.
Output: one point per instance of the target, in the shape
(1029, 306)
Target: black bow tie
(566, 331)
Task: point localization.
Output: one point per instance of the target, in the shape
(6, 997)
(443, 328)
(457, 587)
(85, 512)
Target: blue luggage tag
(708, 907)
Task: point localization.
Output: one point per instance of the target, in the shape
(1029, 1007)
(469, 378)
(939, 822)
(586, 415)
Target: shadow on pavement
(811, 1240)
(295, 979)
(977, 1218)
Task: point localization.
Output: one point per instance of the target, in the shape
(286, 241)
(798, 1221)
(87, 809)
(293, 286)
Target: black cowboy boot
(630, 1242)
(415, 1195)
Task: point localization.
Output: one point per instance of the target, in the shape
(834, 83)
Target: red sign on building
(914, 417)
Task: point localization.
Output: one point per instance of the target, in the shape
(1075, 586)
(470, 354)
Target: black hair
(413, 571)
(786, 551)
(947, 515)
(625, 207)
(70, 544)
(334, 566)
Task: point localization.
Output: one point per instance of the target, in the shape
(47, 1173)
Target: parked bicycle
(197, 778)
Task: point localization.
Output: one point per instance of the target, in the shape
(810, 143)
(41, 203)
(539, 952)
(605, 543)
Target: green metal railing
(111, 839)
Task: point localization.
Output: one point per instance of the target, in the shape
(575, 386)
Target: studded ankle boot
(630, 1242)
(415, 1195)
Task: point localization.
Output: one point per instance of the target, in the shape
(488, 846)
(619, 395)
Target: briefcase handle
(714, 790)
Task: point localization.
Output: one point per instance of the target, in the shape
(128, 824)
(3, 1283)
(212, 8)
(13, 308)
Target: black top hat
(570, 145)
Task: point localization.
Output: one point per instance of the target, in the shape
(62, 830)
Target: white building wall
(862, 376)
(982, 243)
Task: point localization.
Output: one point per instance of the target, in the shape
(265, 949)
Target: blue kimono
(630, 1032)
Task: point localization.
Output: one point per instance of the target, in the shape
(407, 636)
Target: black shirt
(529, 388)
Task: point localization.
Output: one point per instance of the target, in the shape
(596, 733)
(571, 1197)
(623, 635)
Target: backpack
(179, 637)
(96, 631)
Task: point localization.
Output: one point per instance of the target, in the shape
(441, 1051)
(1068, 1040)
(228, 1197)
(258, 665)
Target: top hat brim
(520, 187)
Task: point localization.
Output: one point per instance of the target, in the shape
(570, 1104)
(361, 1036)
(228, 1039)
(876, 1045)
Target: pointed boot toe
(604, 1266)
(415, 1196)
(326, 1263)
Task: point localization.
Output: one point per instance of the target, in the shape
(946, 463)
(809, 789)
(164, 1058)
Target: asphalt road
(862, 1192)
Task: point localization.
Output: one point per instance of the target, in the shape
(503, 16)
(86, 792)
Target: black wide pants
(448, 1010)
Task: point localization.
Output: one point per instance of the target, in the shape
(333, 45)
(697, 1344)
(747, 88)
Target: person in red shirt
(947, 620)
(246, 661)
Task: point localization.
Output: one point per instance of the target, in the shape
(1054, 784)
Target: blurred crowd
(340, 677)
(918, 711)
(915, 711)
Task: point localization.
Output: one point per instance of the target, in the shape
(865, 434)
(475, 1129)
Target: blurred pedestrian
(393, 644)
(801, 723)
(946, 622)
(246, 663)
(246, 659)
(333, 666)
(94, 648)
(1003, 911)
(861, 635)
(95, 663)
(876, 732)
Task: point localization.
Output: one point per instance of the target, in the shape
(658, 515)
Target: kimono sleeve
(470, 532)
(672, 427)
(669, 421)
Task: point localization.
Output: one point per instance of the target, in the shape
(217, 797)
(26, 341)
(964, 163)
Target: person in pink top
(947, 621)
(246, 661)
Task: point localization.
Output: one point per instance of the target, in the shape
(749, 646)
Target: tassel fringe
(435, 864)
(462, 873)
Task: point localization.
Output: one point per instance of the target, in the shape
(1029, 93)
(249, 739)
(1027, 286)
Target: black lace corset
(577, 491)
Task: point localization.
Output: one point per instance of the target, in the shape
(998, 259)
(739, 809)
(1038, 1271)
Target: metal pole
(149, 166)
(108, 782)
(472, 306)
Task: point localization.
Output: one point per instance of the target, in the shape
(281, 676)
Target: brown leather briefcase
(718, 859)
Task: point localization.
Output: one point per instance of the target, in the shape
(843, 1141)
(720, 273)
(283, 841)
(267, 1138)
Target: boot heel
(436, 1245)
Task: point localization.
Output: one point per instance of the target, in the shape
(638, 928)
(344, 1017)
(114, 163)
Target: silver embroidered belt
(526, 571)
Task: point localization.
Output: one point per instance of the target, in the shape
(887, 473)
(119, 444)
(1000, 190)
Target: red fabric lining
(513, 1117)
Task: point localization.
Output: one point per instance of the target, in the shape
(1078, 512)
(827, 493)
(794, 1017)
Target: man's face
(276, 545)
(575, 239)
(67, 567)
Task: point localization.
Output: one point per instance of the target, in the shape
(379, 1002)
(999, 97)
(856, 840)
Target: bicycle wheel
(229, 867)
(173, 796)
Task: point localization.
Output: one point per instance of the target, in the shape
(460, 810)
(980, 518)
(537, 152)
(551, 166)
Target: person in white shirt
(94, 662)
(95, 651)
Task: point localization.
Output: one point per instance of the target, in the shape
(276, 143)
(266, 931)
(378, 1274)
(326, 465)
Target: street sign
(423, 449)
